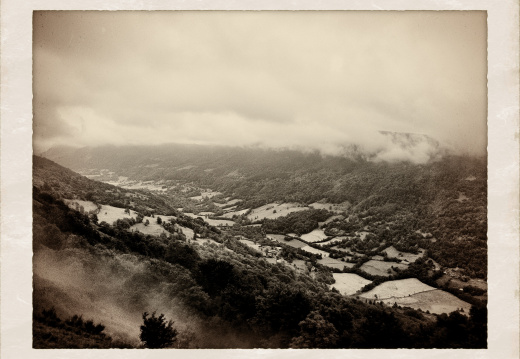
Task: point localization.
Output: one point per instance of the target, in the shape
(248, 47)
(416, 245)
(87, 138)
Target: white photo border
(16, 174)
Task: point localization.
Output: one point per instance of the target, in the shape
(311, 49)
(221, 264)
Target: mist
(314, 80)
(115, 290)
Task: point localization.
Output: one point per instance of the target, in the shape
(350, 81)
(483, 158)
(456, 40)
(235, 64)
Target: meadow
(349, 283)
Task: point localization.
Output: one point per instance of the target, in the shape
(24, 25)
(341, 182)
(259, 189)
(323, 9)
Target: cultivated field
(349, 283)
(293, 243)
(212, 222)
(228, 203)
(205, 194)
(123, 182)
(204, 214)
(238, 213)
(394, 253)
(275, 210)
(188, 232)
(152, 229)
(381, 268)
(298, 264)
(330, 219)
(362, 235)
(397, 289)
(276, 237)
(111, 214)
(435, 301)
(459, 284)
(314, 236)
(219, 222)
(87, 205)
(334, 263)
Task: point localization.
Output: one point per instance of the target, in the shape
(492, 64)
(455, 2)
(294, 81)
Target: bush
(156, 332)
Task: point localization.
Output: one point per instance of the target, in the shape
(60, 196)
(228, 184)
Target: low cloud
(310, 80)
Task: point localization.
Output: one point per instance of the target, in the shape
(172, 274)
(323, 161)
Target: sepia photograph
(260, 179)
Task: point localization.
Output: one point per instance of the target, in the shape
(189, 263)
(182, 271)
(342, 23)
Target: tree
(159, 220)
(147, 222)
(156, 332)
(315, 332)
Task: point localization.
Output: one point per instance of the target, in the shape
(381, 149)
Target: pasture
(349, 283)
(397, 289)
(275, 237)
(314, 236)
(298, 264)
(293, 243)
(87, 205)
(334, 263)
(362, 235)
(381, 268)
(211, 222)
(111, 214)
(153, 228)
(219, 222)
(237, 213)
(205, 194)
(391, 252)
(274, 210)
(414, 294)
(333, 240)
(228, 203)
(188, 232)
(123, 182)
(330, 219)
(204, 214)
(435, 301)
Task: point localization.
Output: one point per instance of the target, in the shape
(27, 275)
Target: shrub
(156, 332)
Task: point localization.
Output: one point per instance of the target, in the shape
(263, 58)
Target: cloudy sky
(311, 79)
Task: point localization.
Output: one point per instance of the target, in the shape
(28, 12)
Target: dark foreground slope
(218, 295)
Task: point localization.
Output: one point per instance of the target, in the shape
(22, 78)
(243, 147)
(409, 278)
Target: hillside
(107, 272)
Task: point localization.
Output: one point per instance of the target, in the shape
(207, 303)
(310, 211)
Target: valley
(372, 251)
(388, 262)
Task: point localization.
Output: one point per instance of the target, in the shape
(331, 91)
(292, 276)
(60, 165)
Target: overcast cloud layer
(278, 79)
